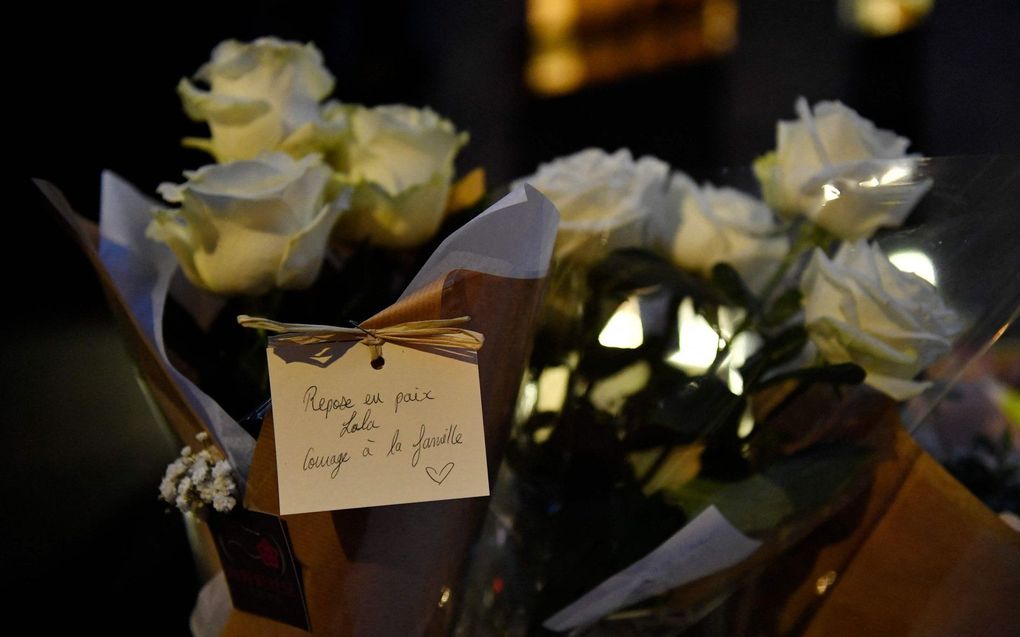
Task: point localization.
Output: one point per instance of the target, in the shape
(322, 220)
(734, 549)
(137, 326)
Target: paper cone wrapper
(904, 550)
(390, 570)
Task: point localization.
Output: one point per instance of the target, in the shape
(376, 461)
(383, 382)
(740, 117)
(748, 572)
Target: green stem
(807, 237)
(725, 351)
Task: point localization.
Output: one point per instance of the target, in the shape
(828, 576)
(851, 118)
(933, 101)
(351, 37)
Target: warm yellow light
(884, 17)
(528, 400)
(894, 174)
(830, 192)
(746, 425)
(541, 435)
(624, 330)
(610, 394)
(719, 25)
(551, 19)
(552, 388)
(556, 71)
(699, 343)
(915, 262)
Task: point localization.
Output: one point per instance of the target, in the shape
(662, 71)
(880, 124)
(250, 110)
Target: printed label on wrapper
(257, 560)
(351, 435)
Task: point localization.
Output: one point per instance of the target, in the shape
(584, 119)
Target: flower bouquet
(318, 213)
(714, 375)
(716, 380)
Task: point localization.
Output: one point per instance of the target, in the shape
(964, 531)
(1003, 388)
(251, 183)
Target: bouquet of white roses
(707, 382)
(313, 212)
(693, 398)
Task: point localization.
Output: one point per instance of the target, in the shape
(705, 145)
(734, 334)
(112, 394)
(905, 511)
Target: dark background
(83, 536)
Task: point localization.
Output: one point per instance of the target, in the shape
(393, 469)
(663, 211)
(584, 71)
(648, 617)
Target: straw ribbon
(433, 333)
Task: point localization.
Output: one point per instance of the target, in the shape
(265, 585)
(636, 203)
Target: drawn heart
(439, 476)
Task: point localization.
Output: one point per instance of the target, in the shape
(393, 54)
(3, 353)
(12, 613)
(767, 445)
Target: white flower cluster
(835, 170)
(611, 201)
(293, 170)
(196, 479)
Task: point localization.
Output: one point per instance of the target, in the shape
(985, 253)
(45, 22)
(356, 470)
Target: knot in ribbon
(431, 333)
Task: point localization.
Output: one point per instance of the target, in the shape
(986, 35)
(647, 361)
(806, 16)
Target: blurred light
(610, 394)
(894, 174)
(529, 398)
(825, 582)
(552, 18)
(624, 329)
(891, 176)
(444, 597)
(574, 43)
(556, 71)
(729, 318)
(541, 434)
(744, 345)
(699, 343)
(830, 192)
(746, 425)
(915, 262)
(1006, 398)
(883, 17)
(734, 380)
(552, 388)
(719, 25)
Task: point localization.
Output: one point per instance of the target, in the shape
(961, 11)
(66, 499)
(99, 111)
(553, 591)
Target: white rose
(840, 171)
(250, 226)
(701, 227)
(263, 96)
(399, 160)
(859, 308)
(603, 199)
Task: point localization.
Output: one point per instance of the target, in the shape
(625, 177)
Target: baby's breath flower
(167, 489)
(197, 479)
(223, 503)
(176, 469)
(199, 470)
(221, 468)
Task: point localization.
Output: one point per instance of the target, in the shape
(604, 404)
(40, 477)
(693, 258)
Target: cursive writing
(417, 396)
(450, 436)
(334, 460)
(312, 401)
(353, 426)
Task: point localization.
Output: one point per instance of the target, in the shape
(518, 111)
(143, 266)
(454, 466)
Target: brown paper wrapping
(384, 570)
(380, 570)
(909, 552)
(913, 553)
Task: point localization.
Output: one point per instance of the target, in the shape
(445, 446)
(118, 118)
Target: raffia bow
(432, 333)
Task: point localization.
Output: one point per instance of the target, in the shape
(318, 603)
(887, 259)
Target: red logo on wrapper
(261, 572)
(270, 556)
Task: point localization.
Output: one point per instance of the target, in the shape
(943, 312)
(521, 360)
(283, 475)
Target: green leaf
(700, 406)
(792, 487)
(735, 292)
(784, 307)
(839, 374)
(622, 272)
(777, 350)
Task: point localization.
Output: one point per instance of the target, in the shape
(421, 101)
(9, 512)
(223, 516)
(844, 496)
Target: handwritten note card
(349, 435)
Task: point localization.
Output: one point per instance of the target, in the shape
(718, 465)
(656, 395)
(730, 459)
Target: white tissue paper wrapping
(706, 545)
